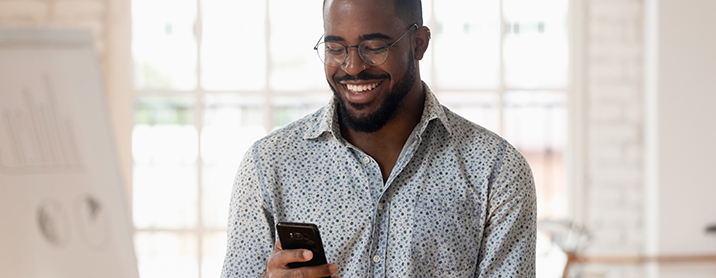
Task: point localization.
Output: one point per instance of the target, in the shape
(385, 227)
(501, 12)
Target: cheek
(398, 64)
(396, 71)
(330, 72)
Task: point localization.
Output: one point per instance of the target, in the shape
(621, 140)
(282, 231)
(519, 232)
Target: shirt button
(376, 258)
(366, 160)
(381, 206)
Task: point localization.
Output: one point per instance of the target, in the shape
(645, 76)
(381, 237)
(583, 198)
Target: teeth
(360, 88)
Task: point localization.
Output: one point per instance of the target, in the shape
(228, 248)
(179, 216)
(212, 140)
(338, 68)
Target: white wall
(687, 132)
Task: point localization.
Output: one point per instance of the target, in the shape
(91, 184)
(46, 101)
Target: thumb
(277, 245)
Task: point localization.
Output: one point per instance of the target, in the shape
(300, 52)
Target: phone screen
(302, 236)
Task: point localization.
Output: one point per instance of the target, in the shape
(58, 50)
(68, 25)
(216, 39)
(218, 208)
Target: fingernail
(306, 254)
(333, 268)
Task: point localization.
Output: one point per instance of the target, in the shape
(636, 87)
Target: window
(213, 76)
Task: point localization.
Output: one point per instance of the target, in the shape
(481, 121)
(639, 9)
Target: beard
(377, 119)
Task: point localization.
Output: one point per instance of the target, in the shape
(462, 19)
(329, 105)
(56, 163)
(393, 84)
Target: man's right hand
(279, 260)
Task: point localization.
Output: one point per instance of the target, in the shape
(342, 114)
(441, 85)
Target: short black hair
(409, 11)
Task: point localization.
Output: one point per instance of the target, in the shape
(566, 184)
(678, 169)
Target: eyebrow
(375, 36)
(371, 36)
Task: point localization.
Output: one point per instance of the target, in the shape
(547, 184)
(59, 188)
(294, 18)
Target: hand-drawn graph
(37, 135)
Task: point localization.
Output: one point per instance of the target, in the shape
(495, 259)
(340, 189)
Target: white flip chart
(63, 212)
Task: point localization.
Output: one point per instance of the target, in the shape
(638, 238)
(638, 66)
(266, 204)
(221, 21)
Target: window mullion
(268, 93)
(433, 69)
(199, 94)
(501, 88)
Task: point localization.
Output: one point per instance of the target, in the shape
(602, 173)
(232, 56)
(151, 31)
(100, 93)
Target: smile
(361, 88)
(361, 91)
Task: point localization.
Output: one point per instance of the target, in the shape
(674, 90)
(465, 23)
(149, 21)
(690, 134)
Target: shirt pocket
(446, 234)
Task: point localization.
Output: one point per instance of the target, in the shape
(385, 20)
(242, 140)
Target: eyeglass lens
(372, 52)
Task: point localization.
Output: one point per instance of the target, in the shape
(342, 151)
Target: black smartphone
(302, 236)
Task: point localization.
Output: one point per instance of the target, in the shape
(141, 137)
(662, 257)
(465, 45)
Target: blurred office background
(611, 101)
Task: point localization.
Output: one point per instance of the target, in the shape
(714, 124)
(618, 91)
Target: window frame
(120, 81)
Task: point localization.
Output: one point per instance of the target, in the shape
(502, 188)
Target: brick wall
(613, 201)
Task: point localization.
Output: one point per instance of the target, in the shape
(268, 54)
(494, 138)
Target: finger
(281, 259)
(332, 269)
(317, 271)
(295, 255)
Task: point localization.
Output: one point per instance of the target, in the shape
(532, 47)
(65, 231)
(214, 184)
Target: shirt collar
(327, 118)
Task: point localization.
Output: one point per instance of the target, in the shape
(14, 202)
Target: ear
(421, 39)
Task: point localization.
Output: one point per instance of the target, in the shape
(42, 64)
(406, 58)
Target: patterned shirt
(460, 201)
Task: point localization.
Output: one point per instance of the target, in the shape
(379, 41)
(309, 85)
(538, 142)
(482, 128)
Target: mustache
(360, 76)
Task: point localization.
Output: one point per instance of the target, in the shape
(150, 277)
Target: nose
(353, 64)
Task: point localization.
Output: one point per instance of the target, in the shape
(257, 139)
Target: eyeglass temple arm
(405, 33)
(319, 41)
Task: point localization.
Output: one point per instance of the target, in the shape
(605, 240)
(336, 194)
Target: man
(399, 185)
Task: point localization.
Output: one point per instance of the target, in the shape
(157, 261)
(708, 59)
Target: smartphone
(302, 236)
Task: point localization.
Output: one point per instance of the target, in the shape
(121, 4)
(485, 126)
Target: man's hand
(279, 260)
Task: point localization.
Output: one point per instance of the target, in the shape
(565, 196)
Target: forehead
(352, 18)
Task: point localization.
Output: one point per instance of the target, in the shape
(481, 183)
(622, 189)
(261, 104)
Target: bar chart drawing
(38, 135)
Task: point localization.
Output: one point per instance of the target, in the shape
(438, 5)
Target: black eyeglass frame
(359, 50)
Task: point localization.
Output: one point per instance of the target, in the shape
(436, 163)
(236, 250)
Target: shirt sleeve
(508, 245)
(250, 231)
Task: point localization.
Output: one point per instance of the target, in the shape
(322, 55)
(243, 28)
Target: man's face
(368, 96)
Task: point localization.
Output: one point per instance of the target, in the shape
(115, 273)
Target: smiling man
(398, 185)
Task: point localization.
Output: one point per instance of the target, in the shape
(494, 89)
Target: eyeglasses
(372, 52)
